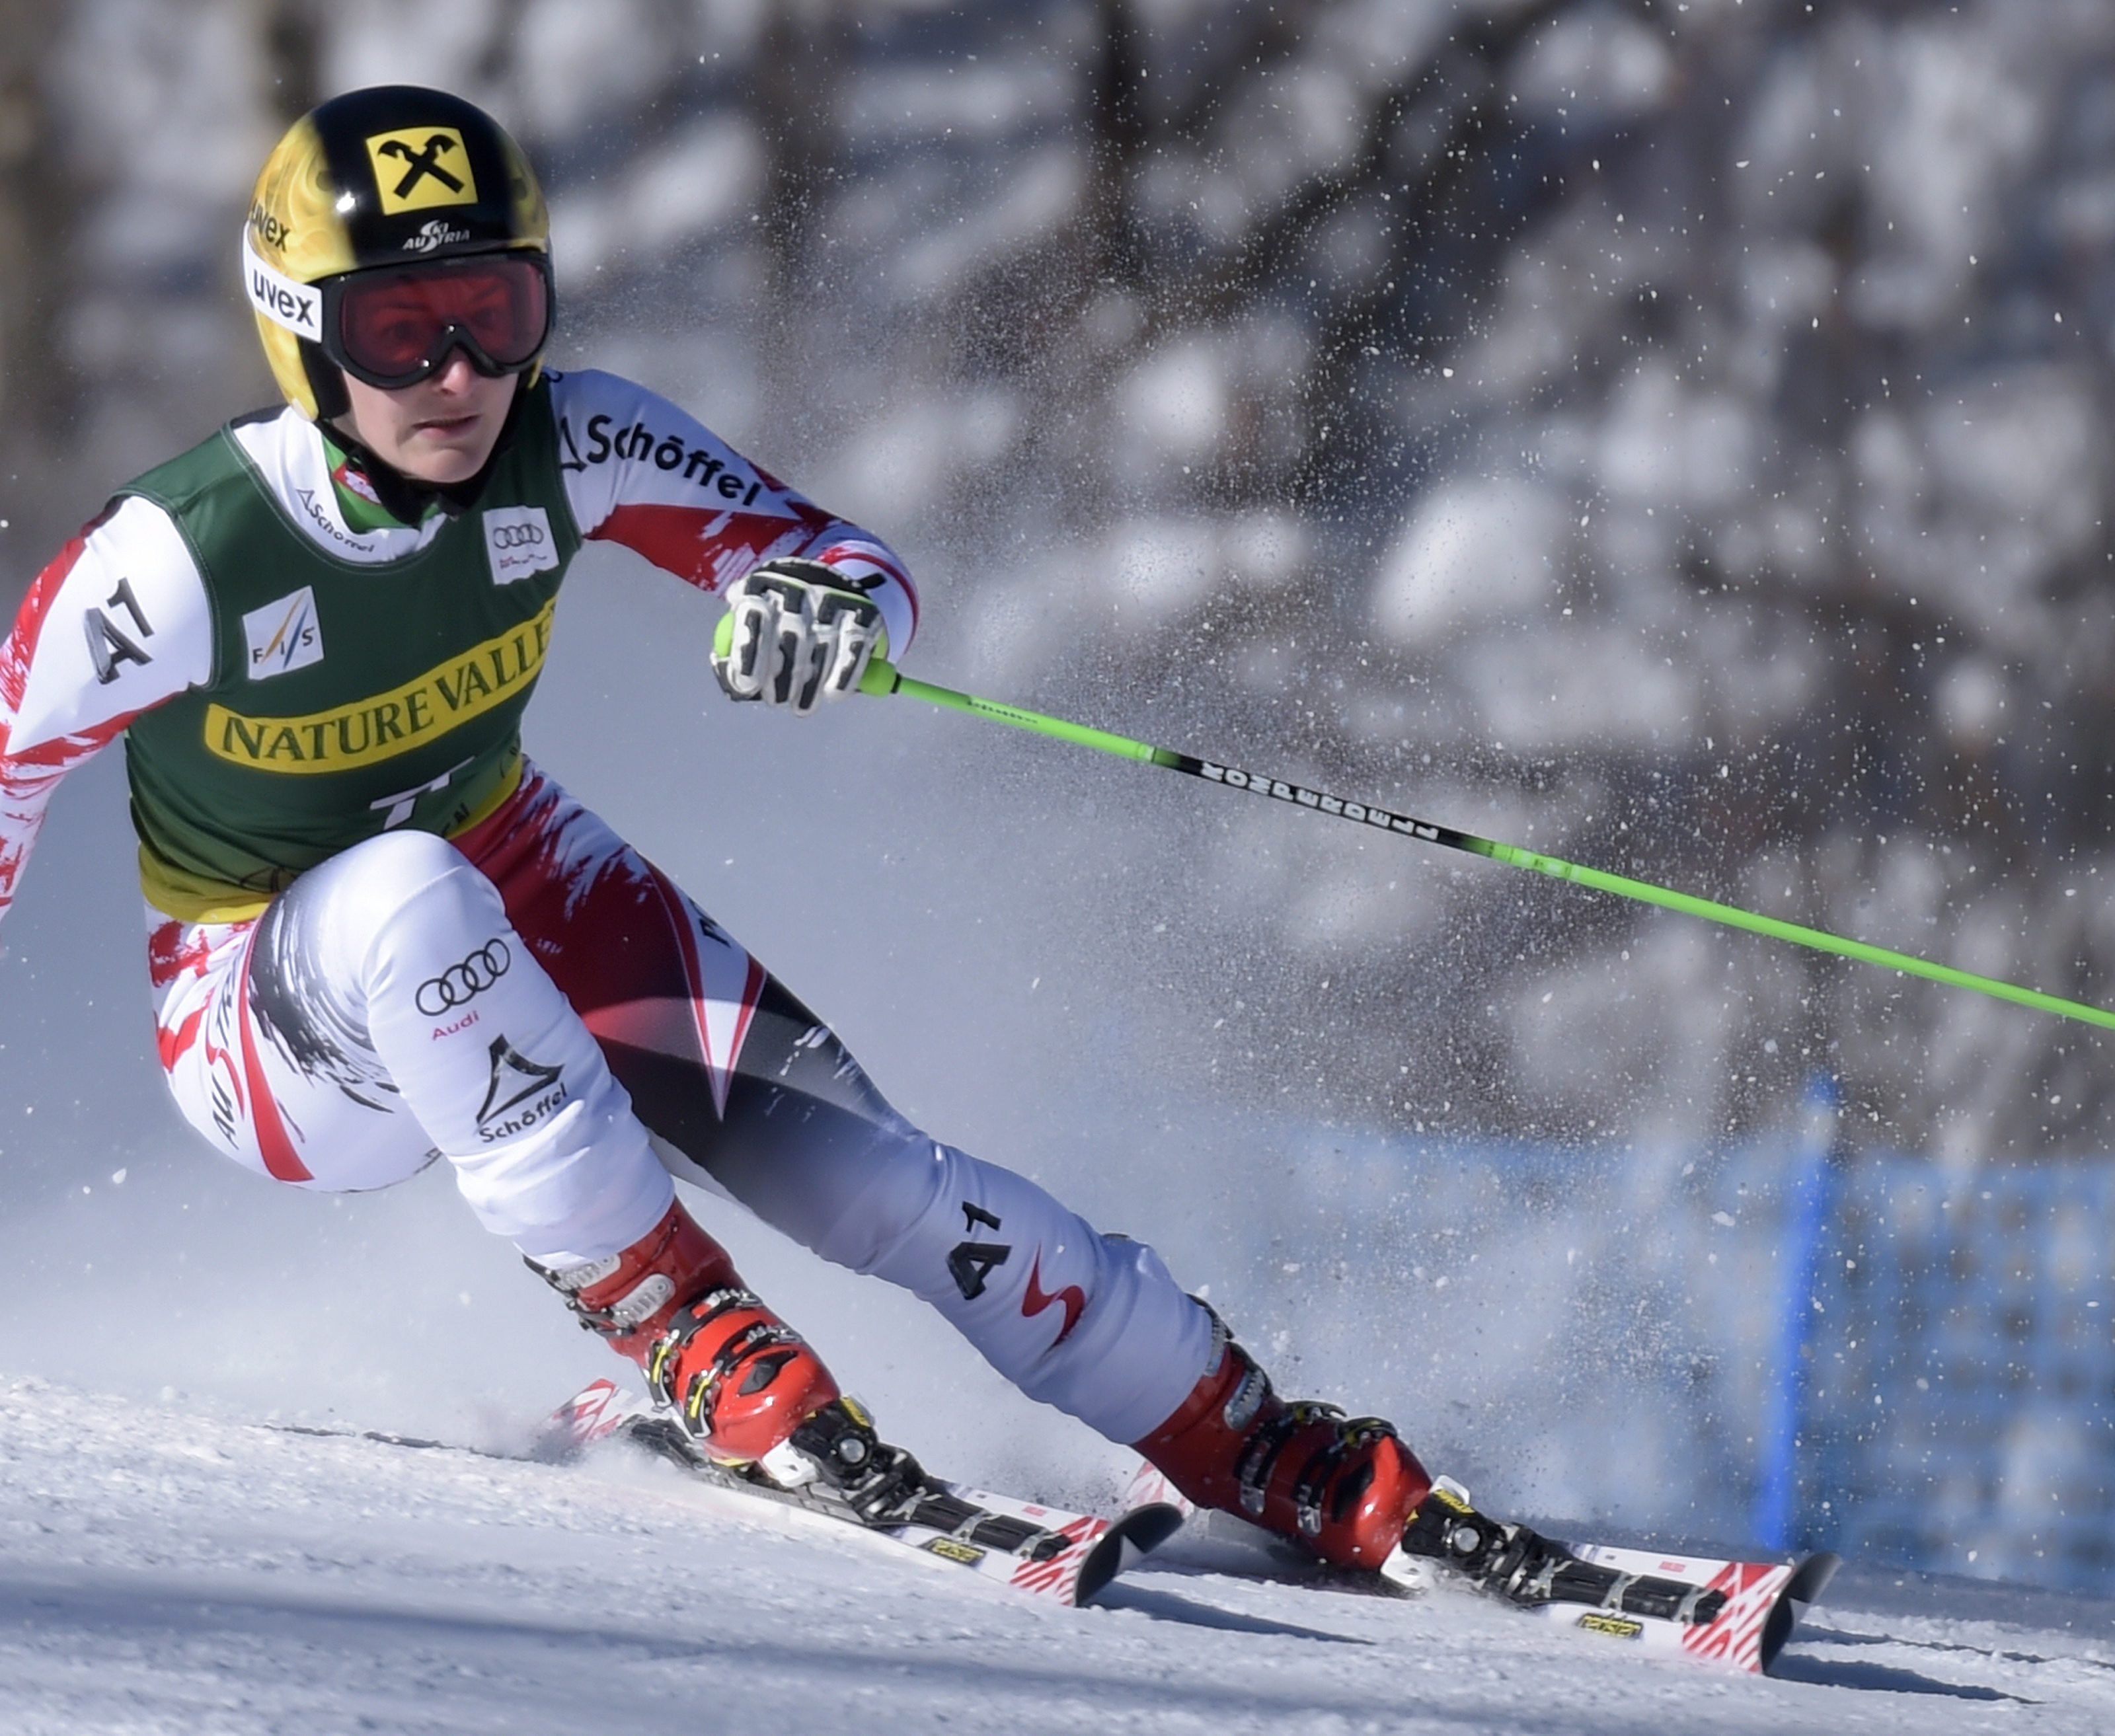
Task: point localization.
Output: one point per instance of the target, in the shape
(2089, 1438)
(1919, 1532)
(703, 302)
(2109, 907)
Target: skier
(377, 935)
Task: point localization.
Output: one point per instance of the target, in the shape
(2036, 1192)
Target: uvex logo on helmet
(269, 228)
(295, 306)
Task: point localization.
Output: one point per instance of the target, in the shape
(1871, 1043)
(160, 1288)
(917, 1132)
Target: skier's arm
(116, 624)
(641, 472)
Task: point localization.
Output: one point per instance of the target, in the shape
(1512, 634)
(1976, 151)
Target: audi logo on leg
(517, 536)
(460, 984)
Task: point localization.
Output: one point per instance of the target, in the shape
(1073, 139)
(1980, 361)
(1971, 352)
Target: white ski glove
(796, 633)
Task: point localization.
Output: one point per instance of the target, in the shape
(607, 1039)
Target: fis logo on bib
(518, 542)
(522, 1093)
(283, 636)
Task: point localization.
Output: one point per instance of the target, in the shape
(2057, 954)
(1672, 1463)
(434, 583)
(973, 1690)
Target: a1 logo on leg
(970, 1263)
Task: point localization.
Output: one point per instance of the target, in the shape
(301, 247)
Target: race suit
(378, 936)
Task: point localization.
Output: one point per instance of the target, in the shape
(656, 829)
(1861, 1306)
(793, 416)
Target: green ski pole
(883, 678)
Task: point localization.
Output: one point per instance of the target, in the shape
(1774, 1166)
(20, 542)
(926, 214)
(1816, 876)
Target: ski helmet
(396, 185)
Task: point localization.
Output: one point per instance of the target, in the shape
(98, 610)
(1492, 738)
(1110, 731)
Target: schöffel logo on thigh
(518, 542)
(460, 984)
(522, 1093)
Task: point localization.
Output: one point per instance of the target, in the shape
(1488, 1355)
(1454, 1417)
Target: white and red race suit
(378, 936)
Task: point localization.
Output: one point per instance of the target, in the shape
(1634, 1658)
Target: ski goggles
(393, 327)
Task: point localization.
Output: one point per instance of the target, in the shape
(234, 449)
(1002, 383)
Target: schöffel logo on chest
(518, 542)
(283, 636)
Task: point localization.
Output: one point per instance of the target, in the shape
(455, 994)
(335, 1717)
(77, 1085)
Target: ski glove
(796, 634)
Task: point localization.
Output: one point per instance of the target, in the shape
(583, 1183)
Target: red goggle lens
(399, 326)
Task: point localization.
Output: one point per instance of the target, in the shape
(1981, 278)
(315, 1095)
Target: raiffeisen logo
(421, 166)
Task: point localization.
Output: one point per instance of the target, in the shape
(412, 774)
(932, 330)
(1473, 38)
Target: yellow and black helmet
(394, 178)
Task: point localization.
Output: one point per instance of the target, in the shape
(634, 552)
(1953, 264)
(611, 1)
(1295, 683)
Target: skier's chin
(448, 452)
(435, 437)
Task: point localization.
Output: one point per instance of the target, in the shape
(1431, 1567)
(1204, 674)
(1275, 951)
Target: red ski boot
(741, 1380)
(1345, 1488)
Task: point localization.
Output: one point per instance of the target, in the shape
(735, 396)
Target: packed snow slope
(169, 1571)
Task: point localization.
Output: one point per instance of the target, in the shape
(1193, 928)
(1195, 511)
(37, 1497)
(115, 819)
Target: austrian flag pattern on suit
(640, 472)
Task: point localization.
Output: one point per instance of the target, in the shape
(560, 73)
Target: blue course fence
(1784, 1342)
(1961, 1381)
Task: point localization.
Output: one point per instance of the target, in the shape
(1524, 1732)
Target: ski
(1038, 1551)
(1739, 1613)
(1733, 1614)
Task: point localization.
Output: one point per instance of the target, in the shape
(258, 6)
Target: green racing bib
(349, 695)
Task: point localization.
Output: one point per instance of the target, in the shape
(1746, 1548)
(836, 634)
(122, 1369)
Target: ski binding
(1041, 1551)
(1730, 1613)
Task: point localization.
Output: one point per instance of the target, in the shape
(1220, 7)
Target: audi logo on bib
(519, 541)
(460, 984)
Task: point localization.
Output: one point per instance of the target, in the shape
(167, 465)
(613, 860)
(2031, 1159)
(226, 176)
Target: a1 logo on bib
(283, 636)
(417, 167)
(518, 542)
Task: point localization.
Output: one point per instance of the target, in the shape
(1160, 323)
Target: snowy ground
(165, 1572)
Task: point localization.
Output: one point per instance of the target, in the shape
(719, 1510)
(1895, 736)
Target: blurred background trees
(1671, 435)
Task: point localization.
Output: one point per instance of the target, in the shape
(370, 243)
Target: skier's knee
(379, 879)
(384, 885)
(897, 1223)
